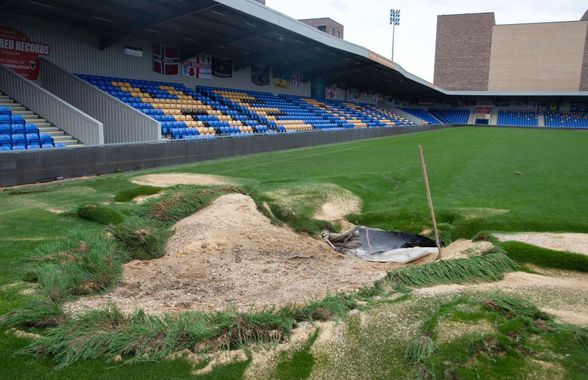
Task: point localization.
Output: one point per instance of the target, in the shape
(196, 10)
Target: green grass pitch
(482, 179)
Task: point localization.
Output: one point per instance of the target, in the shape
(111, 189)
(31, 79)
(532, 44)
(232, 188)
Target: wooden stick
(430, 200)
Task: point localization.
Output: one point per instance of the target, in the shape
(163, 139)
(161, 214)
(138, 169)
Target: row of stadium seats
(437, 116)
(506, 118)
(423, 115)
(16, 134)
(518, 118)
(566, 120)
(211, 111)
(451, 116)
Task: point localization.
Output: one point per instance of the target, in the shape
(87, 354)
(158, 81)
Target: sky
(367, 21)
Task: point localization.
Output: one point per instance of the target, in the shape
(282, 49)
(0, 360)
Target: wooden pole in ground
(430, 200)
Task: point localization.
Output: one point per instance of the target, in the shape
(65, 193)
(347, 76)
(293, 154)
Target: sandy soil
(563, 296)
(337, 207)
(567, 242)
(229, 256)
(173, 179)
(461, 249)
(22, 334)
(54, 210)
(471, 213)
(144, 198)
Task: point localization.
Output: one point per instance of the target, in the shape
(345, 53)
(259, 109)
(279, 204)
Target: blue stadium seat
(18, 129)
(31, 128)
(19, 141)
(18, 120)
(5, 129)
(33, 138)
(47, 139)
(5, 142)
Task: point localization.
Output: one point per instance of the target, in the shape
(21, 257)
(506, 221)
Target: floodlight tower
(394, 21)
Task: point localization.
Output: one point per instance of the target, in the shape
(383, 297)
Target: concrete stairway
(541, 120)
(45, 127)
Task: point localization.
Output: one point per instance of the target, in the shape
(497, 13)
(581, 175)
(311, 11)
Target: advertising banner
(20, 54)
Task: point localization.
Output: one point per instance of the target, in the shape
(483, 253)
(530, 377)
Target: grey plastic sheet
(372, 244)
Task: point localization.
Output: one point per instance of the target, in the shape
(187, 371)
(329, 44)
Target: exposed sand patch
(566, 316)
(337, 206)
(220, 359)
(55, 210)
(461, 249)
(448, 331)
(264, 358)
(22, 334)
(173, 179)
(543, 370)
(229, 256)
(512, 281)
(330, 202)
(470, 213)
(566, 242)
(144, 198)
(563, 296)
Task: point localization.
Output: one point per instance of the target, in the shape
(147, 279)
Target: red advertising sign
(21, 54)
(483, 110)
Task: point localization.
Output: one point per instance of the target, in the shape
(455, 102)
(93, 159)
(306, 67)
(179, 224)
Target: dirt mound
(566, 242)
(173, 179)
(229, 256)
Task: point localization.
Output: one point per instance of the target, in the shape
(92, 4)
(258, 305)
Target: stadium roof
(245, 31)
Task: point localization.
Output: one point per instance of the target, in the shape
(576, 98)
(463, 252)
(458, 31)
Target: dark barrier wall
(23, 167)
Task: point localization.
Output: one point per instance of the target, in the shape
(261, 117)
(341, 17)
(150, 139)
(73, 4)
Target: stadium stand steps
(451, 116)
(423, 115)
(43, 126)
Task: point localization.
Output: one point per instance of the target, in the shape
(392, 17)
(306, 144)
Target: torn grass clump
(143, 239)
(546, 258)
(84, 263)
(132, 193)
(142, 338)
(182, 202)
(490, 267)
(99, 214)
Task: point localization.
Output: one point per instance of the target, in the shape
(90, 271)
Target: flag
(331, 91)
(222, 68)
(260, 75)
(165, 60)
(297, 79)
(282, 79)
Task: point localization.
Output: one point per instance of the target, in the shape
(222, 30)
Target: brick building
(473, 53)
(326, 25)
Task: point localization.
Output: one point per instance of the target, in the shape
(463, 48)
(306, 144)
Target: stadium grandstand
(86, 74)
